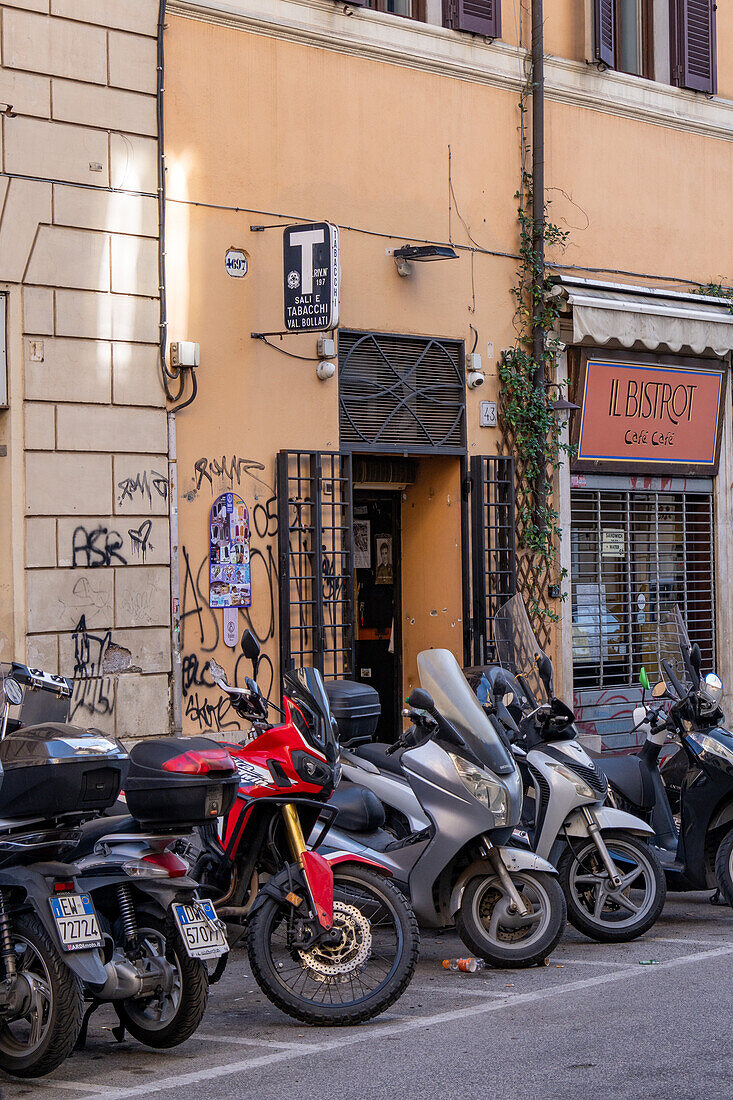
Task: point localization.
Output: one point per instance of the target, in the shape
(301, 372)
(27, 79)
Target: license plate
(200, 929)
(76, 922)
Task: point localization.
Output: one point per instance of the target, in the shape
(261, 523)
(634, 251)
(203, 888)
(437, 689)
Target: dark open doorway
(377, 593)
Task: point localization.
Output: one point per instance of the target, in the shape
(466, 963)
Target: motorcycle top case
(55, 769)
(159, 797)
(355, 707)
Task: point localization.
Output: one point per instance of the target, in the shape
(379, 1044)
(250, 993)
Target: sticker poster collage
(229, 568)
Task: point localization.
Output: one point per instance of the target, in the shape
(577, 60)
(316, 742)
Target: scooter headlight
(484, 788)
(715, 748)
(572, 777)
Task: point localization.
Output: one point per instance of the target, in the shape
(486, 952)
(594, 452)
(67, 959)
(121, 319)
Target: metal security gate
(314, 491)
(493, 555)
(639, 546)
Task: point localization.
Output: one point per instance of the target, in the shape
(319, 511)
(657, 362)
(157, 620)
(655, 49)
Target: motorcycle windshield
(441, 675)
(517, 648)
(305, 687)
(674, 645)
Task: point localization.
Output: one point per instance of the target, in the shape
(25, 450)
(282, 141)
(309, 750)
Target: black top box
(355, 707)
(180, 782)
(56, 769)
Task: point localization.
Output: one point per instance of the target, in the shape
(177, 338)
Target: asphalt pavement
(651, 1019)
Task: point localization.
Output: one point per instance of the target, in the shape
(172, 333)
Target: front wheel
(605, 913)
(348, 981)
(724, 867)
(167, 1018)
(504, 938)
(38, 1040)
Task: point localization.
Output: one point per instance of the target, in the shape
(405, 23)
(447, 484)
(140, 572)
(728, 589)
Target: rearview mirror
(696, 658)
(659, 689)
(419, 699)
(13, 691)
(544, 668)
(251, 650)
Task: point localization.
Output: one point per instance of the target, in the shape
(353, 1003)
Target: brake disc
(326, 961)
(511, 931)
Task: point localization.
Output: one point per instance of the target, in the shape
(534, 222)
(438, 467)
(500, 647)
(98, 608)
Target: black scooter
(696, 849)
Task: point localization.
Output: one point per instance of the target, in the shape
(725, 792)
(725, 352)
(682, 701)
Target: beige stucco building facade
(84, 563)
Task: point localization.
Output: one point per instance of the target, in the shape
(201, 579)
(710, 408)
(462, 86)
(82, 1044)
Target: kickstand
(717, 898)
(81, 1042)
(119, 1032)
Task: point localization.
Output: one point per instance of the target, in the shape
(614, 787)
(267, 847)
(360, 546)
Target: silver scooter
(454, 795)
(612, 878)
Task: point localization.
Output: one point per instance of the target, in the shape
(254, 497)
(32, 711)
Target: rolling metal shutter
(639, 546)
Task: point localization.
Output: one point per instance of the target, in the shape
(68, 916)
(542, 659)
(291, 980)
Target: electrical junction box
(184, 353)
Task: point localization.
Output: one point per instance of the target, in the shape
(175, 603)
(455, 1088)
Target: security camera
(475, 378)
(325, 369)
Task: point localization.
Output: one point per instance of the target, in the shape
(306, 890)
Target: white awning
(656, 319)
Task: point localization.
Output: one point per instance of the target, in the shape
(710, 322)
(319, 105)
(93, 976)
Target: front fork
(516, 903)
(596, 836)
(315, 869)
(296, 840)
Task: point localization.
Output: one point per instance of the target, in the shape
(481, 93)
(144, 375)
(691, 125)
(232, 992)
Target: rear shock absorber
(127, 913)
(7, 946)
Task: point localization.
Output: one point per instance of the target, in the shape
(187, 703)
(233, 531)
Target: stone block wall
(84, 545)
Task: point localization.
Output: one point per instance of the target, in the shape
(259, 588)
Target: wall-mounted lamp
(421, 253)
(563, 406)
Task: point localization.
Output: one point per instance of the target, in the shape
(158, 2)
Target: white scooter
(612, 878)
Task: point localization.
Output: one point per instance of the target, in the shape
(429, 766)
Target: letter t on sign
(304, 241)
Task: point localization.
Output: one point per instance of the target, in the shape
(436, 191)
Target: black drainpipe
(538, 185)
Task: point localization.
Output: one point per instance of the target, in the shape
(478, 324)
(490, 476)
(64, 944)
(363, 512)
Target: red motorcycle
(330, 940)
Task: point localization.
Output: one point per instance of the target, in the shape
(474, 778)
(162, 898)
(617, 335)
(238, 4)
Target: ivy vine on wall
(528, 409)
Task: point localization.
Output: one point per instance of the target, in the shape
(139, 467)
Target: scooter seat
(631, 777)
(359, 810)
(93, 831)
(376, 753)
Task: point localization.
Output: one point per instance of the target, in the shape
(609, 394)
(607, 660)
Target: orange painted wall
(295, 132)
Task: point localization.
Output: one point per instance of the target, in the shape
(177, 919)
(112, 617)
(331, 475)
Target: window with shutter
(476, 16)
(604, 31)
(694, 62)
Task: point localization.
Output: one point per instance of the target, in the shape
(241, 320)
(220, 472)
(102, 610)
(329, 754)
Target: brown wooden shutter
(604, 31)
(476, 16)
(694, 62)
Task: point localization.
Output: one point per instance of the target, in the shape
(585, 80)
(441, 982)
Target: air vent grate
(402, 393)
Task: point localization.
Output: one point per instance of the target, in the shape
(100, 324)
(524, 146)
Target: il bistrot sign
(311, 277)
(647, 416)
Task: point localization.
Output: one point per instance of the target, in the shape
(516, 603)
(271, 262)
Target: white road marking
(406, 1024)
(254, 1042)
(565, 961)
(82, 1086)
(687, 942)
